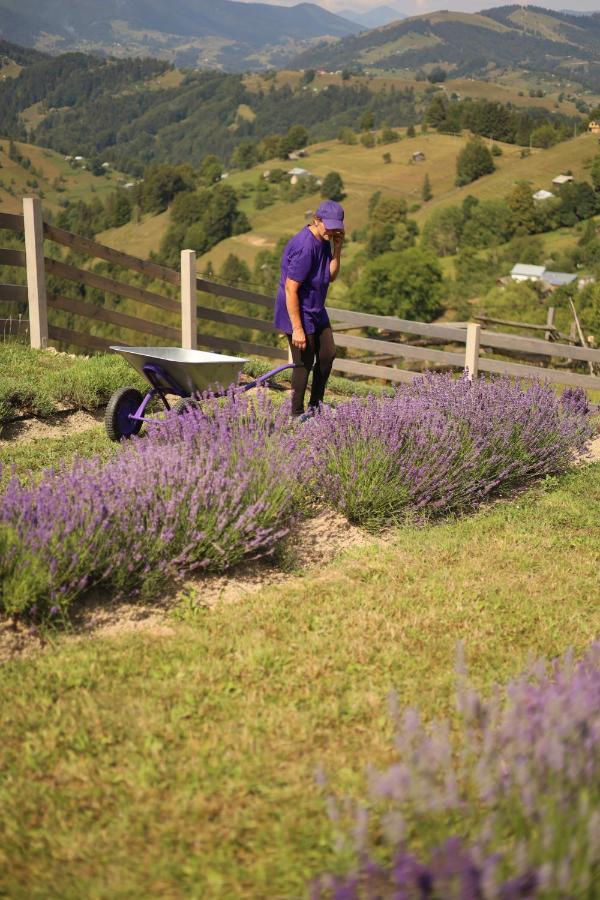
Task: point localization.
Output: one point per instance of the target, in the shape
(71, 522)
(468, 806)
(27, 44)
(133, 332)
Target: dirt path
(314, 545)
(60, 424)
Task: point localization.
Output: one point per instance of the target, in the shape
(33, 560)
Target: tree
(596, 173)
(235, 271)
(245, 155)
(474, 160)
(387, 158)
(117, 209)
(367, 139)
(211, 169)
(426, 192)
(406, 284)
(367, 120)
(522, 207)
(347, 136)
(437, 75)
(443, 230)
(161, 184)
(308, 76)
(489, 222)
(333, 187)
(410, 131)
(389, 136)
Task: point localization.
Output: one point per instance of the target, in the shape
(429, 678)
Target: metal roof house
(562, 179)
(542, 195)
(558, 279)
(525, 272)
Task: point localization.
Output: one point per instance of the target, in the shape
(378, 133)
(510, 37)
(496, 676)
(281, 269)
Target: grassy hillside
(470, 44)
(51, 176)
(364, 172)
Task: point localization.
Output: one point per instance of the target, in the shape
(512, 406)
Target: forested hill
(133, 112)
(189, 32)
(470, 44)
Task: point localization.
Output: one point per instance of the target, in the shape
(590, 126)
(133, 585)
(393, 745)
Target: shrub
(440, 445)
(198, 492)
(524, 790)
(473, 161)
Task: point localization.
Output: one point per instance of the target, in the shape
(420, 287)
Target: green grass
(182, 764)
(27, 459)
(35, 382)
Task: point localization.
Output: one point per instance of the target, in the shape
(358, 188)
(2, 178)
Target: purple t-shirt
(305, 259)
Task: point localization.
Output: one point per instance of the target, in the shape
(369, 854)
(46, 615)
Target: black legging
(318, 356)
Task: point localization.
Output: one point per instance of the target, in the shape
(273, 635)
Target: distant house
(418, 156)
(524, 272)
(594, 127)
(78, 158)
(549, 281)
(542, 195)
(296, 174)
(553, 280)
(561, 179)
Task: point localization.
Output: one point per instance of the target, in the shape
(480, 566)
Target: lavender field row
(203, 491)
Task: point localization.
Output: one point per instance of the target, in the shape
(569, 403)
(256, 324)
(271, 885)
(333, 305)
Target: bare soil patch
(60, 424)
(314, 544)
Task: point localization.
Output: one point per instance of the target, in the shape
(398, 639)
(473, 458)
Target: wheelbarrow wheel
(185, 405)
(123, 402)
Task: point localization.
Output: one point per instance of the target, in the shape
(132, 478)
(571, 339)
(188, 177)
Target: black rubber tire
(184, 405)
(122, 402)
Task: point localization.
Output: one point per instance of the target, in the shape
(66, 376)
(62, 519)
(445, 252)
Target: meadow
(363, 172)
(181, 758)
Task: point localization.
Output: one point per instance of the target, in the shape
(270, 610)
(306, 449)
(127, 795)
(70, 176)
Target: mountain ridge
(230, 32)
(471, 43)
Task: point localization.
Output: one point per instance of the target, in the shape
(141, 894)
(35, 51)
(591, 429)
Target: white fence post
(189, 320)
(36, 276)
(472, 350)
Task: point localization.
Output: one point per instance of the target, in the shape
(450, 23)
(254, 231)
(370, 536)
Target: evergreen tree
(474, 160)
(410, 131)
(426, 192)
(596, 173)
(332, 187)
(522, 207)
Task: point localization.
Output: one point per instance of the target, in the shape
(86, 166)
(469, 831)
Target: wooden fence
(377, 354)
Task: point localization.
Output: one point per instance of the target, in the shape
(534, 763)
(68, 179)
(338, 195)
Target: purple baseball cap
(332, 215)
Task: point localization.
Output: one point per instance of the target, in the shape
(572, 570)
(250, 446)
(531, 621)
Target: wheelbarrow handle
(270, 374)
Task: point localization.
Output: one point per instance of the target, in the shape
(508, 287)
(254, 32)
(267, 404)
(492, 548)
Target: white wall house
(525, 272)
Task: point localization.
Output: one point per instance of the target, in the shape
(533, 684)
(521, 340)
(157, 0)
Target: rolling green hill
(364, 172)
(474, 44)
(44, 173)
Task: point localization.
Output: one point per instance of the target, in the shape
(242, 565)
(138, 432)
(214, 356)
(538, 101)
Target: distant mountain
(473, 43)
(223, 33)
(373, 18)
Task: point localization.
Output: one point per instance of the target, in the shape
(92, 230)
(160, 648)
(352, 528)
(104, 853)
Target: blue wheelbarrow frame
(171, 370)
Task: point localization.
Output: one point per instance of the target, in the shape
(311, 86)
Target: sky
(417, 7)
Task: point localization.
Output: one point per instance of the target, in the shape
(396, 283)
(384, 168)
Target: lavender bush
(198, 492)
(520, 785)
(441, 445)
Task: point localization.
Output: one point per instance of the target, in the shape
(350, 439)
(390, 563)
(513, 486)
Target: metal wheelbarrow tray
(172, 370)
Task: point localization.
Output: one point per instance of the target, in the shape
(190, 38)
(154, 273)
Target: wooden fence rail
(476, 343)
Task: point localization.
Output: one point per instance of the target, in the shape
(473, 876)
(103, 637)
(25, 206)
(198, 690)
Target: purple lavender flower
(441, 445)
(525, 800)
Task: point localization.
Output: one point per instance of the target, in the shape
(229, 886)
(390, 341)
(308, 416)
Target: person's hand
(299, 338)
(338, 240)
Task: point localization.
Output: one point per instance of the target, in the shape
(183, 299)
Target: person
(308, 266)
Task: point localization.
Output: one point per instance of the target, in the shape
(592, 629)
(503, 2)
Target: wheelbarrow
(171, 370)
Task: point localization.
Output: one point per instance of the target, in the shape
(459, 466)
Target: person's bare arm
(336, 259)
(292, 302)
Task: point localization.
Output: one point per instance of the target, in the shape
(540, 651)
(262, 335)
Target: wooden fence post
(189, 320)
(36, 276)
(472, 350)
(549, 323)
